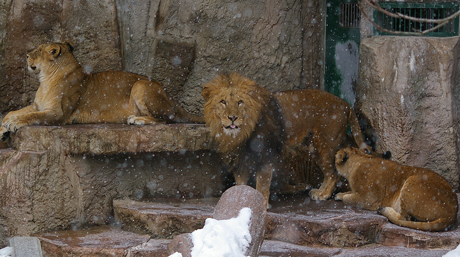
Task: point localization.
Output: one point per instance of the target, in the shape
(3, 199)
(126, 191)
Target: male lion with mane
(255, 129)
(408, 196)
(68, 95)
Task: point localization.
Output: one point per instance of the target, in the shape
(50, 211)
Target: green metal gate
(342, 48)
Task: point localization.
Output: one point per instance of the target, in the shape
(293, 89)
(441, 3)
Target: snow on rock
(236, 229)
(6, 252)
(226, 238)
(453, 253)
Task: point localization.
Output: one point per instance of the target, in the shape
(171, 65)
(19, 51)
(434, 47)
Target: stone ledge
(77, 245)
(112, 138)
(293, 219)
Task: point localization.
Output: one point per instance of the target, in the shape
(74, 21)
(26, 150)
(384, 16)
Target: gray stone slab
(26, 247)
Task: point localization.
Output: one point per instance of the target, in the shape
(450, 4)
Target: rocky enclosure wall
(61, 177)
(408, 88)
(181, 43)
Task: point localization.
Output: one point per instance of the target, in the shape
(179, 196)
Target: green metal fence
(417, 10)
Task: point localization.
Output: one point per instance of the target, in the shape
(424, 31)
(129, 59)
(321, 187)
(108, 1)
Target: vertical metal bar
(409, 28)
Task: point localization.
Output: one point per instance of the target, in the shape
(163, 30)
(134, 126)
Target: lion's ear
(206, 93)
(345, 157)
(53, 50)
(69, 45)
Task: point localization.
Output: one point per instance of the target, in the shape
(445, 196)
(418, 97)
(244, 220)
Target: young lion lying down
(412, 197)
(68, 95)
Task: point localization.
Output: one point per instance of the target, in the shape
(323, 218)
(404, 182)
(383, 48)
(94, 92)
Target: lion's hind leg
(393, 216)
(142, 120)
(151, 100)
(390, 213)
(146, 103)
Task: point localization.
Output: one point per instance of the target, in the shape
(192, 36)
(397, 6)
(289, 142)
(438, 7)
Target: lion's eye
(223, 102)
(27, 56)
(240, 102)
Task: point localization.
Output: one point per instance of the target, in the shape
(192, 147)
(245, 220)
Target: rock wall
(408, 90)
(90, 25)
(66, 177)
(183, 44)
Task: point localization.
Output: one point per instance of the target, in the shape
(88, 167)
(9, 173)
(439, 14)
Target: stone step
(91, 242)
(110, 241)
(293, 219)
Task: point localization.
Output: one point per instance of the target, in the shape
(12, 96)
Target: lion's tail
(356, 130)
(441, 224)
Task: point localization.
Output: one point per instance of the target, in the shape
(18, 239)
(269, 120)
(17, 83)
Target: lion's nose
(232, 118)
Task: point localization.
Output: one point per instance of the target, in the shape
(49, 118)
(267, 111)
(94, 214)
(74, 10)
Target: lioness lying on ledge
(412, 197)
(67, 95)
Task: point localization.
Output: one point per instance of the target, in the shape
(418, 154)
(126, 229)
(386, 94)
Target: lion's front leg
(14, 119)
(340, 196)
(350, 198)
(241, 176)
(327, 187)
(30, 116)
(264, 179)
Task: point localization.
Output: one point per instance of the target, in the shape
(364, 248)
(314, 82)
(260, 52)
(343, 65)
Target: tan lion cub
(412, 197)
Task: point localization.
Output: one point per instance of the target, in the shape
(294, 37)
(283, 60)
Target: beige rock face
(183, 44)
(90, 25)
(408, 90)
(262, 40)
(64, 177)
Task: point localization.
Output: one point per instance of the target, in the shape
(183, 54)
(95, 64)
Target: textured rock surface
(96, 241)
(408, 89)
(295, 220)
(61, 177)
(324, 218)
(182, 244)
(161, 220)
(271, 248)
(180, 43)
(91, 25)
(97, 139)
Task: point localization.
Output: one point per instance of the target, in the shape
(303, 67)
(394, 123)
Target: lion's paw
(317, 195)
(13, 123)
(4, 133)
(134, 120)
(339, 196)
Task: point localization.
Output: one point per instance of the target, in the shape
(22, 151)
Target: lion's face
(46, 54)
(232, 109)
(231, 112)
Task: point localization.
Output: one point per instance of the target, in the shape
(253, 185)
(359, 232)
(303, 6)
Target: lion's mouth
(232, 126)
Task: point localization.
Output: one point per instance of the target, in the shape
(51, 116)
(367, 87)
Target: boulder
(408, 90)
